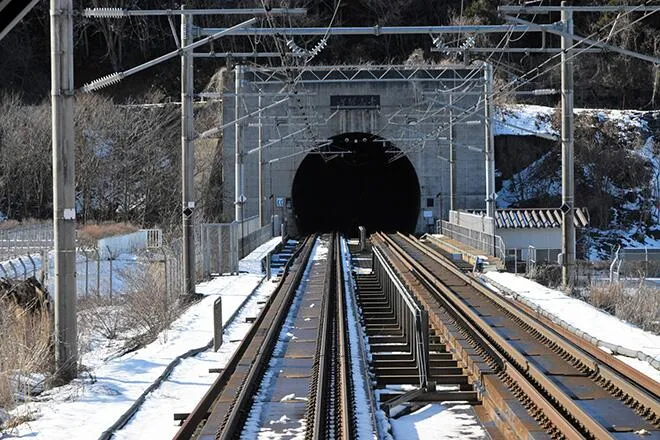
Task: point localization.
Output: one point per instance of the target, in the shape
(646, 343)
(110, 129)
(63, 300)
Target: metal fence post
(13, 267)
(217, 323)
(34, 266)
(86, 271)
(45, 266)
(20, 260)
(98, 272)
(110, 261)
(167, 290)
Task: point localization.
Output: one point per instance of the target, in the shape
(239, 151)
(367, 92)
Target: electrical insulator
(105, 12)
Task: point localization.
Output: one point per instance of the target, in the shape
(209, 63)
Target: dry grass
(639, 306)
(12, 224)
(547, 274)
(91, 233)
(25, 350)
(150, 309)
(102, 315)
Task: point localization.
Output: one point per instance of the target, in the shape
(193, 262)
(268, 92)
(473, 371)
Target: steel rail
(201, 410)
(601, 371)
(323, 358)
(426, 278)
(252, 381)
(346, 401)
(516, 359)
(639, 386)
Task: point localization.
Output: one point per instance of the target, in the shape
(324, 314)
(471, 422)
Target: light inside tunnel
(357, 180)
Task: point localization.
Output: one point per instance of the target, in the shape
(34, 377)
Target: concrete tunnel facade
(357, 145)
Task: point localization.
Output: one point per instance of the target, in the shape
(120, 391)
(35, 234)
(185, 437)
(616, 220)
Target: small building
(513, 232)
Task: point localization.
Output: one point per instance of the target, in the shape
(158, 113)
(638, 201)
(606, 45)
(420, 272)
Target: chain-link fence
(104, 269)
(222, 244)
(20, 241)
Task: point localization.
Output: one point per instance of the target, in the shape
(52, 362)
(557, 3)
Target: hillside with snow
(617, 171)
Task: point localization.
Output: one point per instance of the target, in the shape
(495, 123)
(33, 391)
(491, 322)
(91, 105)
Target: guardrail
(414, 320)
(487, 243)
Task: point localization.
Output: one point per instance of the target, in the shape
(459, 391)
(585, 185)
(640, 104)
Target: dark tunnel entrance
(358, 180)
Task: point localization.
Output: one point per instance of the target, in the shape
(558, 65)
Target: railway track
(291, 373)
(435, 334)
(534, 380)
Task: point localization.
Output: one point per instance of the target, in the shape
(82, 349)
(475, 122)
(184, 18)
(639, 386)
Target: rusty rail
(313, 364)
(287, 283)
(551, 402)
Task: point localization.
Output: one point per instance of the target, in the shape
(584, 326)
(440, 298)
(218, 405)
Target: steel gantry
(293, 129)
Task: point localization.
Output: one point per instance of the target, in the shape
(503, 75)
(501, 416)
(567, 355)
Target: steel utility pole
(567, 182)
(452, 157)
(64, 212)
(261, 166)
(187, 156)
(489, 141)
(238, 145)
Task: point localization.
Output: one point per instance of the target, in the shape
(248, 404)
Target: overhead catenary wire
(517, 82)
(578, 51)
(512, 87)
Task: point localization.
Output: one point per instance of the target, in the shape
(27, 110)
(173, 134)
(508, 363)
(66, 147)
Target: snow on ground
(252, 263)
(524, 120)
(585, 317)
(191, 379)
(95, 400)
(527, 120)
(450, 420)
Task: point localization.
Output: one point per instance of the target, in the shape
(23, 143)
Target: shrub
(639, 306)
(102, 314)
(149, 307)
(547, 274)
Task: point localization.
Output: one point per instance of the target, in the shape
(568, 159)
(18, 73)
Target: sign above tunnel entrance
(355, 102)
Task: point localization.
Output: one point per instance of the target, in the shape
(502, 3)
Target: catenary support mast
(187, 157)
(64, 212)
(567, 136)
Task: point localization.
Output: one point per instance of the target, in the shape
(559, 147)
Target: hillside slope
(617, 171)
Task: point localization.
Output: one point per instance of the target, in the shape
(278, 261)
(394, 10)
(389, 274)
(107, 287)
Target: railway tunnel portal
(357, 180)
(335, 147)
